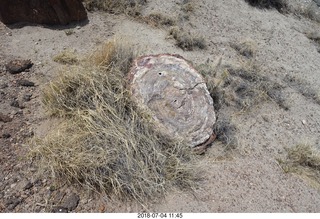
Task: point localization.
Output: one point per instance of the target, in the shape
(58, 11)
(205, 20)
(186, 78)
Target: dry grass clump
(280, 5)
(303, 87)
(158, 19)
(66, 57)
(242, 87)
(226, 132)
(188, 6)
(251, 87)
(186, 40)
(130, 7)
(106, 142)
(303, 159)
(246, 48)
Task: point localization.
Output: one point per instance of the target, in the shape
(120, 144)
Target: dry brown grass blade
(303, 159)
(130, 7)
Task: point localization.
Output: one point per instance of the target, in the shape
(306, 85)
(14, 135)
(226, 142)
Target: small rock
(265, 118)
(71, 202)
(17, 66)
(29, 185)
(12, 203)
(15, 103)
(2, 86)
(27, 97)
(25, 83)
(13, 185)
(5, 135)
(5, 118)
(304, 122)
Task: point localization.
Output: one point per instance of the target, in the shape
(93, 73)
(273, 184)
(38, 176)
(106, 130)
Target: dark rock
(25, 83)
(71, 202)
(6, 135)
(12, 203)
(27, 97)
(5, 118)
(29, 185)
(42, 12)
(17, 66)
(15, 103)
(2, 86)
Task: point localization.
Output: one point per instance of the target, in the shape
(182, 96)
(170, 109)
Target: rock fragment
(18, 66)
(25, 83)
(5, 118)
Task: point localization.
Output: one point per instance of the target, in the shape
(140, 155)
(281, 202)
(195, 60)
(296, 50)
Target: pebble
(27, 97)
(28, 185)
(304, 122)
(5, 118)
(25, 83)
(6, 135)
(14, 103)
(13, 185)
(71, 202)
(2, 86)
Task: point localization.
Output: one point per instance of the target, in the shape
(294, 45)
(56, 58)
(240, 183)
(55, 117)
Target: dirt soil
(245, 179)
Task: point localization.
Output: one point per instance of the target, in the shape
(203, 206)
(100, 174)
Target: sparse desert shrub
(226, 132)
(303, 159)
(251, 87)
(187, 41)
(130, 7)
(246, 48)
(66, 57)
(303, 87)
(241, 87)
(158, 19)
(106, 142)
(188, 6)
(280, 5)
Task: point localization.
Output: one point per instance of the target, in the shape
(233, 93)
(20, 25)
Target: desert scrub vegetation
(303, 159)
(105, 142)
(129, 7)
(66, 57)
(241, 87)
(303, 87)
(246, 48)
(280, 5)
(158, 20)
(186, 40)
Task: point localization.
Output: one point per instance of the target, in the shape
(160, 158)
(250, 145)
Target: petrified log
(175, 94)
(42, 11)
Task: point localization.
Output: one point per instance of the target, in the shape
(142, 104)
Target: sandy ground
(245, 179)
